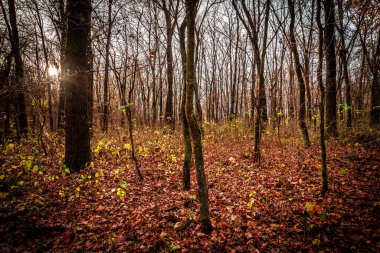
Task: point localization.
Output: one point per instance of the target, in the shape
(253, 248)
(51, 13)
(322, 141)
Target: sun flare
(52, 71)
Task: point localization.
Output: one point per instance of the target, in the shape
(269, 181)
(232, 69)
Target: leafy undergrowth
(272, 208)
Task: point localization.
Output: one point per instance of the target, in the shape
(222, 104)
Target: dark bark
(194, 127)
(106, 70)
(19, 71)
(169, 115)
(301, 82)
(77, 83)
(252, 27)
(185, 125)
(46, 74)
(63, 30)
(343, 55)
(4, 97)
(329, 40)
(322, 105)
(130, 119)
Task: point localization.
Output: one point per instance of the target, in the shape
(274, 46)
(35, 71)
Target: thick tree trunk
(77, 83)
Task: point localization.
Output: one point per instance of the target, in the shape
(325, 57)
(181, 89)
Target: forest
(189, 126)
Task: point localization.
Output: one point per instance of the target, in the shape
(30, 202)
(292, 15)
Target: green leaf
(35, 168)
(342, 172)
(174, 247)
(124, 185)
(65, 170)
(309, 206)
(29, 164)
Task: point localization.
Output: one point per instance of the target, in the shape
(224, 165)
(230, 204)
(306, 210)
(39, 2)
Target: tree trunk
(331, 111)
(106, 70)
(169, 116)
(19, 71)
(4, 97)
(194, 127)
(301, 82)
(375, 86)
(322, 106)
(77, 139)
(185, 125)
(344, 56)
(61, 99)
(46, 74)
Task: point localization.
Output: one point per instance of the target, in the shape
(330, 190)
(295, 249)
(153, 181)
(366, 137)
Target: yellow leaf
(316, 242)
(250, 203)
(78, 189)
(10, 146)
(3, 195)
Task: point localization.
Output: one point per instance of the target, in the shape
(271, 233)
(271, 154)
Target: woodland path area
(273, 208)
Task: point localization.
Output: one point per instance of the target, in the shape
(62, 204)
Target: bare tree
(329, 40)
(301, 82)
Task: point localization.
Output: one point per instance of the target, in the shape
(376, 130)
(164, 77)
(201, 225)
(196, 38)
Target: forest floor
(275, 207)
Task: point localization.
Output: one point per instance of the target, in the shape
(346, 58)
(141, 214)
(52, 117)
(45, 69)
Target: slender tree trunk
(322, 105)
(46, 74)
(61, 99)
(185, 125)
(106, 70)
(4, 97)
(130, 118)
(329, 40)
(301, 82)
(374, 65)
(19, 71)
(344, 56)
(77, 138)
(261, 108)
(194, 127)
